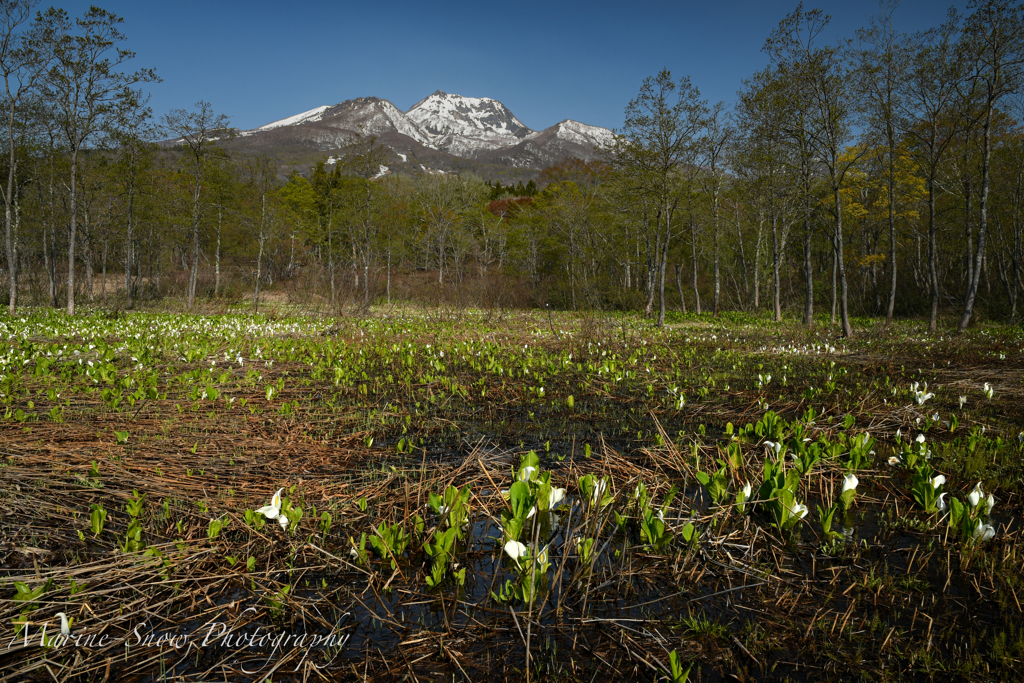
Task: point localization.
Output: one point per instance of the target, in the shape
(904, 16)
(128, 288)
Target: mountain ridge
(442, 128)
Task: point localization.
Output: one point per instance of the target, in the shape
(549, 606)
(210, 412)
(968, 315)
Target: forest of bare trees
(881, 175)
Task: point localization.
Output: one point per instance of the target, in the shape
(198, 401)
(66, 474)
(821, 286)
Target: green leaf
(97, 518)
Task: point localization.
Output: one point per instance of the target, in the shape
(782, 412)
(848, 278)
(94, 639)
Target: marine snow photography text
(259, 643)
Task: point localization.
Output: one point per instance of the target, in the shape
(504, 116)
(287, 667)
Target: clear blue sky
(258, 61)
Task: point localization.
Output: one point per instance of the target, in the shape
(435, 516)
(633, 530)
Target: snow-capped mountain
(438, 128)
(565, 139)
(574, 132)
(464, 126)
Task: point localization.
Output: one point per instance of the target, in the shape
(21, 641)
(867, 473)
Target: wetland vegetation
(543, 496)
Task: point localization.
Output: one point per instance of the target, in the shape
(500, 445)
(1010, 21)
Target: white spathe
(975, 496)
(983, 532)
(65, 625)
(273, 511)
(516, 550)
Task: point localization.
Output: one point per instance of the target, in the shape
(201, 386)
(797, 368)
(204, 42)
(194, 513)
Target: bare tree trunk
(103, 284)
(216, 264)
(129, 247)
(195, 249)
(366, 247)
(844, 309)
(718, 276)
(808, 275)
(679, 286)
(759, 245)
(661, 277)
(72, 231)
(138, 262)
(330, 256)
(291, 255)
(262, 239)
(12, 258)
(129, 261)
(743, 257)
(440, 257)
(87, 248)
(571, 263)
(1015, 258)
(652, 256)
(986, 164)
(693, 244)
(12, 245)
(49, 266)
(892, 241)
(969, 235)
(933, 259)
(835, 287)
(366, 277)
(259, 276)
(776, 258)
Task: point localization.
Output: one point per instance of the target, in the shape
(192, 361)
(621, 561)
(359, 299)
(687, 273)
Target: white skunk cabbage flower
(516, 550)
(65, 624)
(526, 473)
(273, 511)
(983, 532)
(975, 496)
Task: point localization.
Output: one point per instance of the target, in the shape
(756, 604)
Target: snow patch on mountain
(582, 134)
(311, 115)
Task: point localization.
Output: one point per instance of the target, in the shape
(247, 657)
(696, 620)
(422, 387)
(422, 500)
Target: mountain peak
(465, 126)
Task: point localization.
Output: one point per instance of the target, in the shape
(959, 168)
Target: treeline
(881, 175)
